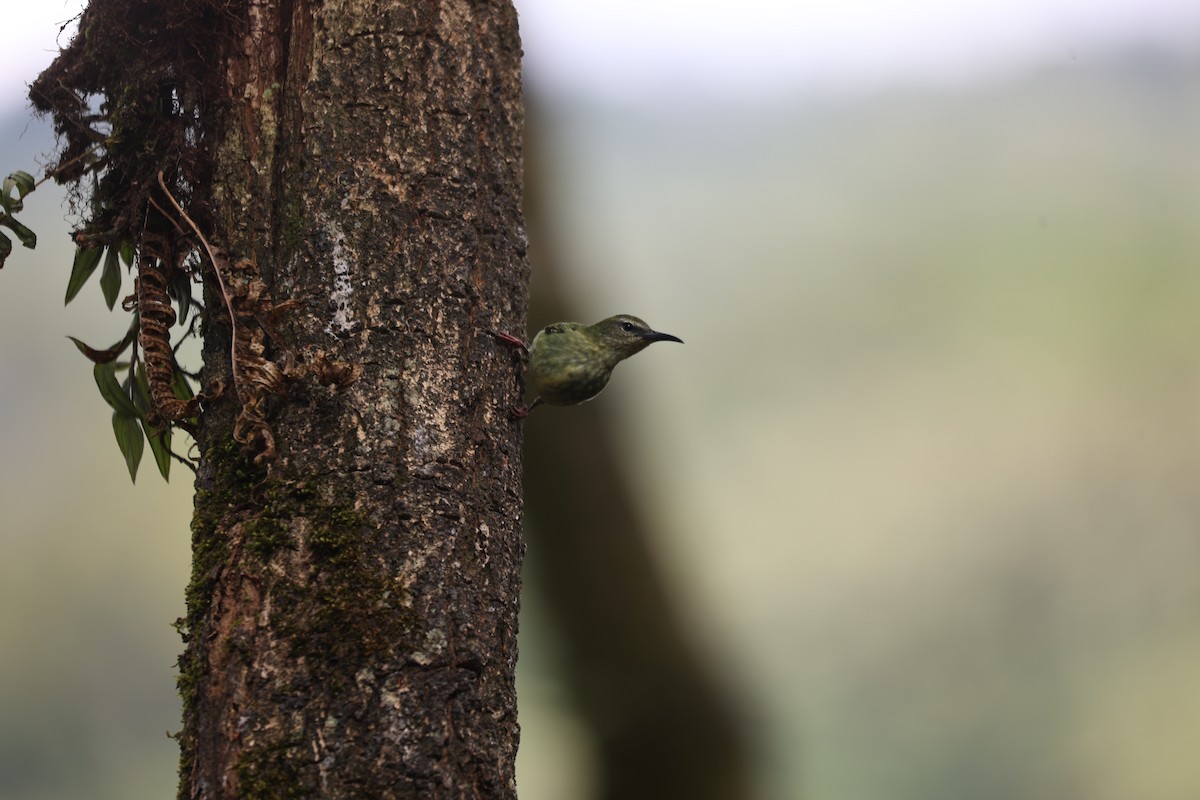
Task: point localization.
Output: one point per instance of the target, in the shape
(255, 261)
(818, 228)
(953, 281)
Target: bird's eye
(628, 327)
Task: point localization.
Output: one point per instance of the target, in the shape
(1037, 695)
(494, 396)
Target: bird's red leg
(509, 339)
(516, 412)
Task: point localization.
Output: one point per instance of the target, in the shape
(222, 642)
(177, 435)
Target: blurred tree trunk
(664, 725)
(352, 616)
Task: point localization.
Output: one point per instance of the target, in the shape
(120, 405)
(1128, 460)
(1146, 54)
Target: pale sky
(30, 43)
(764, 46)
(631, 47)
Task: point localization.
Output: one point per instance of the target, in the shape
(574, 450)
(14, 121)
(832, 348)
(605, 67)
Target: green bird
(570, 362)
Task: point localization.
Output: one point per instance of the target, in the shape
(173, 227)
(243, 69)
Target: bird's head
(624, 335)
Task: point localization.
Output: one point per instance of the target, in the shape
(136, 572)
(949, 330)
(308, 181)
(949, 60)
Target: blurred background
(915, 512)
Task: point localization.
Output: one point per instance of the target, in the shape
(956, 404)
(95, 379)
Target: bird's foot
(518, 412)
(511, 340)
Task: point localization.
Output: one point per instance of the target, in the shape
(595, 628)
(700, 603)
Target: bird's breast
(565, 376)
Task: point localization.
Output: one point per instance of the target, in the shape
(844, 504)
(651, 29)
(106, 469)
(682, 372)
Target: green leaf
(126, 250)
(130, 440)
(180, 288)
(22, 181)
(86, 260)
(110, 277)
(141, 392)
(104, 356)
(160, 440)
(91, 353)
(5, 248)
(160, 446)
(27, 237)
(180, 385)
(111, 391)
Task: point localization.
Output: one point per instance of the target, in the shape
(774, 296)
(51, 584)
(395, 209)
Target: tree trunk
(352, 616)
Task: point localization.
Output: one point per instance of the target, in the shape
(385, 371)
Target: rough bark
(352, 617)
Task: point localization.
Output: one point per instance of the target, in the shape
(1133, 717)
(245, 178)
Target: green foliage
(86, 260)
(134, 420)
(129, 439)
(159, 438)
(126, 415)
(110, 277)
(130, 401)
(127, 101)
(12, 200)
(112, 392)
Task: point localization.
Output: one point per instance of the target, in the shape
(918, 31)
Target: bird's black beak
(655, 336)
